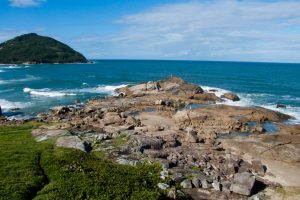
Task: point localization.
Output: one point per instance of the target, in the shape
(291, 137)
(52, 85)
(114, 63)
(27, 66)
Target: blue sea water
(35, 88)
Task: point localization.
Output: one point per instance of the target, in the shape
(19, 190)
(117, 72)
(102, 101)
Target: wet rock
(186, 184)
(73, 142)
(280, 106)
(231, 96)
(243, 183)
(0, 111)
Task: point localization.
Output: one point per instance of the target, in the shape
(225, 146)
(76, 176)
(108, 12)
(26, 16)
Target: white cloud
(25, 3)
(209, 30)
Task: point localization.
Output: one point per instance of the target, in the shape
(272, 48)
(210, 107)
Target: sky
(216, 30)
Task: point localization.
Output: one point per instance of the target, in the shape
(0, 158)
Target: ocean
(26, 90)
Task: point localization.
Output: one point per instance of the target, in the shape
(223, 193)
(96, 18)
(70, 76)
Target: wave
(12, 81)
(1, 71)
(46, 92)
(109, 89)
(7, 105)
(259, 99)
(11, 67)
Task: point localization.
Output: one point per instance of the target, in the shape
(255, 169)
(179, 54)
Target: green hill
(35, 49)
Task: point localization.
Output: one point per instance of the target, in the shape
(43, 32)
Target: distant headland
(35, 49)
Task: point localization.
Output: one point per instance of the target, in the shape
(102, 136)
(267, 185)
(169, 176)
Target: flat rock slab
(73, 142)
(43, 134)
(243, 183)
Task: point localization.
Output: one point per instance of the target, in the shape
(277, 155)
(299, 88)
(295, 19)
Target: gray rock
(73, 142)
(124, 161)
(147, 142)
(186, 184)
(42, 134)
(216, 185)
(177, 177)
(196, 182)
(163, 186)
(226, 186)
(243, 183)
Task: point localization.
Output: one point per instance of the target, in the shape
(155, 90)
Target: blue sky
(233, 30)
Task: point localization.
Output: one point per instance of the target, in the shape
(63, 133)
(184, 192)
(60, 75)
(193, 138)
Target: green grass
(30, 170)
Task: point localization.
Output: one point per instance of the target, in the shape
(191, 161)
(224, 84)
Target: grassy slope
(38, 170)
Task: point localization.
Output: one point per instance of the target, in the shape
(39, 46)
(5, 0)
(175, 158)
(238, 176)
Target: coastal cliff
(35, 49)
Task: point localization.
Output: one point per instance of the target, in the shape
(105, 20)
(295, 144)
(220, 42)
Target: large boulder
(112, 118)
(231, 96)
(144, 142)
(243, 183)
(206, 97)
(73, 142)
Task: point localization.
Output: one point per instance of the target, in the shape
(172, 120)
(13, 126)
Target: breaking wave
(109, 89)
(7, 105)
(259, 99)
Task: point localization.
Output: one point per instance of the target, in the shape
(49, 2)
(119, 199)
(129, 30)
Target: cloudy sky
(230, 30)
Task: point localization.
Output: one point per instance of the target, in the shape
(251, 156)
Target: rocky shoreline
(207, 150)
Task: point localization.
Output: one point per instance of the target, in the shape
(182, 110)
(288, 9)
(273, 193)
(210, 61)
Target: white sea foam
(1, 71)
(6, 105)
(258, 100)
(11, 67)
(12, 81)
(109, 89)
(46, 92)
(218, 91)
(8, 90)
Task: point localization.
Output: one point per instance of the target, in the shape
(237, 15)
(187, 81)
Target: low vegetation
(31, 170)
(32, 48)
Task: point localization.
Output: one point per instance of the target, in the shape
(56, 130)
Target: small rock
(163, 186)
(159, 102)
(186, 184)
(191, 135)
(124, 161)
(177, 177)
(216, 185)
(172, 193)
(196, 182)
